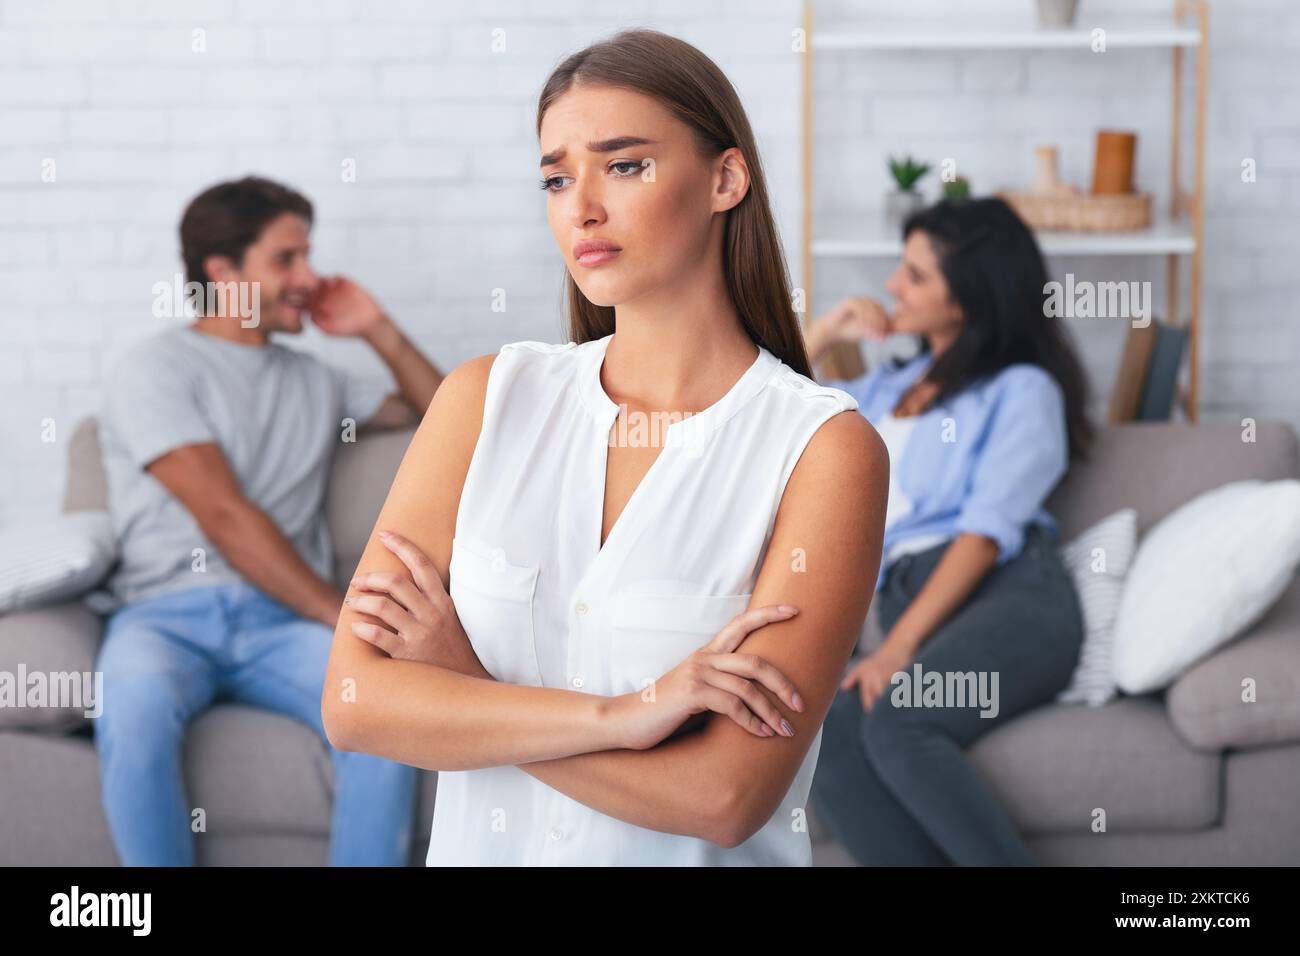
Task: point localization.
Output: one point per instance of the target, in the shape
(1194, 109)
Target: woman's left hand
(873, 674)
(419, 619)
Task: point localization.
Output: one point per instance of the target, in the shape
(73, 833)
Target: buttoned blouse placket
(590, 604)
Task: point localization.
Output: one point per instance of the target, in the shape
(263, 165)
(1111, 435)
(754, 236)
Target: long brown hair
(692, 87)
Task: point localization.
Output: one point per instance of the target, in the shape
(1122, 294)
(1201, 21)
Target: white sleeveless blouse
(544, 604)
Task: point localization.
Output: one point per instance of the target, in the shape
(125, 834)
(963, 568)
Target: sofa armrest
(1248, 693)
(47, 664)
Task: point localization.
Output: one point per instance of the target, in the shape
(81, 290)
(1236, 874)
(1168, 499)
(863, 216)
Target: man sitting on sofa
(217, 443)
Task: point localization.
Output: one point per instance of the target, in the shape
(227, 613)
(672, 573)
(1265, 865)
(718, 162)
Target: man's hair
(225, 219)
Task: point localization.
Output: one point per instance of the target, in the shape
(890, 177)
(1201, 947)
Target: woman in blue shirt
(980, 617)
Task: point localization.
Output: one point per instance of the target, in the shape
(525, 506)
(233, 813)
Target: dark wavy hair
(995, 272)
(225, 219)
(695, 90)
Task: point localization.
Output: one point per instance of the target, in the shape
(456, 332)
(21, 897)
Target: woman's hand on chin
(418, 619)
(850, 320)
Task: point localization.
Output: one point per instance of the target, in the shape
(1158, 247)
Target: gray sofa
(1189, 776)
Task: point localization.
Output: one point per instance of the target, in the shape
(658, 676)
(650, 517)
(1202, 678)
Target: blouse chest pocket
(494, 601)
(654, 632)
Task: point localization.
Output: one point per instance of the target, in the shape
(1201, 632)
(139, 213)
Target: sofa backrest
(1151, 466)
(361, 474)
(1154, 467)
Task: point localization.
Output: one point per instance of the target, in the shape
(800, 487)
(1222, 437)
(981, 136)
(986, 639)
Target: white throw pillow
(1099, 560)
(1203, 575)
(54, 559)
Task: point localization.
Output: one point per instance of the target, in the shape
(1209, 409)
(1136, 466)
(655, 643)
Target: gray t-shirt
(276, 413)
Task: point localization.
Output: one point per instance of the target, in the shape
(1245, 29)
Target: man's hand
(419, 621)
(341, 307)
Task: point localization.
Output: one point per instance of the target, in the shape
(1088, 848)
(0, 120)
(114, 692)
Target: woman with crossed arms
(639, 640)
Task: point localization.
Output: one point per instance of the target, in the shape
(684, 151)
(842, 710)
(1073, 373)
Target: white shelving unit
(1008, 35)
(867, 236)
(1176, 232)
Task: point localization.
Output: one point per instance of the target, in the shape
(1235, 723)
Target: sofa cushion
(56, 780)
(258, 773)
(49, 789)
(1258, 826)
(1248, 693)
(256, 770)
(59, 639)
(1098, 561)
(1202, 576)
(1153, 467)
(54, 558)
(1052, 767)
(250, 770)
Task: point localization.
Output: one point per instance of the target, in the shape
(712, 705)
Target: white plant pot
(899, 204)
(1057, 14)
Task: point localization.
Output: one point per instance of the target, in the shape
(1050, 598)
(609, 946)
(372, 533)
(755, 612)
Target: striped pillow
(1099, 560)
(54, 559)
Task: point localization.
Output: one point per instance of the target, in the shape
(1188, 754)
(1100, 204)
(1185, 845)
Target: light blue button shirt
(983, 461)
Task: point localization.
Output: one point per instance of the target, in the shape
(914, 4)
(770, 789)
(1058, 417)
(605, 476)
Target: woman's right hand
(850, 321)
(713, 679)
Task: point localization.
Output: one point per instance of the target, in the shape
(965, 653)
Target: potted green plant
(958, 188)
(905, 199)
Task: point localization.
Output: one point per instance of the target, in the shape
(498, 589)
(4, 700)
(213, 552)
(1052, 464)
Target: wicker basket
(1105, 213)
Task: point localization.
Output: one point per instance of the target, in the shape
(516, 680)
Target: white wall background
(445, 206)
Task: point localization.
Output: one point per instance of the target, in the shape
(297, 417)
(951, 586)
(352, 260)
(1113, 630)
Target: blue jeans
(165, 659)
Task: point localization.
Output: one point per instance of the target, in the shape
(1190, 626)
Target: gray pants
(893, 783)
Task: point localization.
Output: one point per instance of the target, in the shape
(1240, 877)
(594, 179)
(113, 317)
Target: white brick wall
(988, 110)
(445, 206)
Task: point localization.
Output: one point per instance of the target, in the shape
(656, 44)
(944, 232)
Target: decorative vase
(901, 203)
(1112, 166)
(1046, 180)
(1057, 14)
